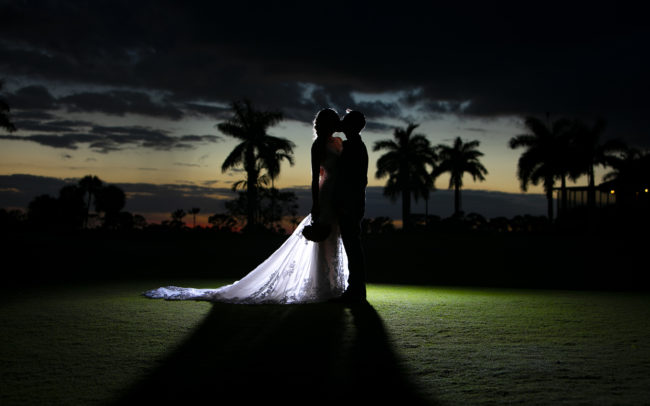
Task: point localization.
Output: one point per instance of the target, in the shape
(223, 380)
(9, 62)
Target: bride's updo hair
(326, 123)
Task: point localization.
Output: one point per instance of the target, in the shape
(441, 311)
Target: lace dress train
(300, 271)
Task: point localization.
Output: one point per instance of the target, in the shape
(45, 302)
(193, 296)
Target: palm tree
(630, 169)
(91, 185)
(44, 211)
(405, 163)
(194, 211)
(457, 159)
(272, 165)
(543, 160)
(110, 200)
(72, 206)
(249, 126)
(5, 122)
(567, 164)
(177, 218)
(629, 180)
(592, 152)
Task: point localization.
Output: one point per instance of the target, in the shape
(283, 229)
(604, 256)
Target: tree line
(71, 209)
(92, 204)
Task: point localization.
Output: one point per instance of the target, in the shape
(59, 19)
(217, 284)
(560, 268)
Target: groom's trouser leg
(351, 236)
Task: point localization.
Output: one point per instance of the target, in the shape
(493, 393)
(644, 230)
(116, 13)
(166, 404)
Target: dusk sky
(131, 91)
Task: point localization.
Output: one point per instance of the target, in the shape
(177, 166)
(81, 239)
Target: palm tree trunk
(252, 200)
(406, 209)
(426, 209)
(549, 199)
(251, 191)
(272, 201)
(456, 199)
(591, 191)
(87, 210)
(406, 197)
(564, 196)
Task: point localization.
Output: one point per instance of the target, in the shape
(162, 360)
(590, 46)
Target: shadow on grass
(312, 354)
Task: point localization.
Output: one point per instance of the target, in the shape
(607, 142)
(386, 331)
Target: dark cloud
(488, 204)
(35, 100)
(35, 97)
(480, 60)
(143, 198)
(105, 139)
(215, 112)
(201, 138)
(114, 138)
(376, 126)
(29, 115)
(65, 141)
(18, 190)
(378, 109)
(120, 103)
(50, 126)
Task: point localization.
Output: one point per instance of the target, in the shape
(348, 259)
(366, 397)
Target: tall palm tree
(543, 160)
(110, 200)
(405, 163)
(72, 206)
(242, 184)
(91, 186)
(566, 158)
(249, 126)
(5, 122)
(194, 211)
(458, 159)
(592, 151)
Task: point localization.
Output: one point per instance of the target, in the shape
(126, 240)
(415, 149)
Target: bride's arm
(315, 173)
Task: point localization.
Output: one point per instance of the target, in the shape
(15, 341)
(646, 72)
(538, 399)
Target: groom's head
(353, 122)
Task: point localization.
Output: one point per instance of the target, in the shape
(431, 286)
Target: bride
(300, 271)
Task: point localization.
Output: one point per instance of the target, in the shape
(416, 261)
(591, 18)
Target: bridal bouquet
(316, 231)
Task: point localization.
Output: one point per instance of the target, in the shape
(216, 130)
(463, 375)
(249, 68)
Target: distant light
(611, 192)
(646, 190)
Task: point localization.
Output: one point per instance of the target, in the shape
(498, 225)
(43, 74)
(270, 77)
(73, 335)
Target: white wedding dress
(300, 271)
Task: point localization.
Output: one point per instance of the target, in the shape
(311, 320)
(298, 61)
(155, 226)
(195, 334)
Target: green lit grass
(104, 343)
(532, 347)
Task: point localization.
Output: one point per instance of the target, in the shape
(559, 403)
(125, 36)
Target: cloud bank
(146, 198)
(486, 60)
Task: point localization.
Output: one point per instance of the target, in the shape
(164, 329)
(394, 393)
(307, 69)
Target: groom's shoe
(349, 297)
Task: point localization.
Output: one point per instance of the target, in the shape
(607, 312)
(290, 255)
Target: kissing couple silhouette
(323, 259)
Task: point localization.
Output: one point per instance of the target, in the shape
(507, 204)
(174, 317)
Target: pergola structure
(606, 194)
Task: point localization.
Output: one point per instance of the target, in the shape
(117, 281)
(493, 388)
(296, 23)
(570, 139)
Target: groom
(351, 202)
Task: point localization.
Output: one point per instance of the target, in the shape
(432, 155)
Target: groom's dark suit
(351, 202)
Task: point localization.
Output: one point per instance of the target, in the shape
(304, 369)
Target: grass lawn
(102, 343)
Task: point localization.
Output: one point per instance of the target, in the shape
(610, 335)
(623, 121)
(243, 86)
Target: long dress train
(300, 271)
